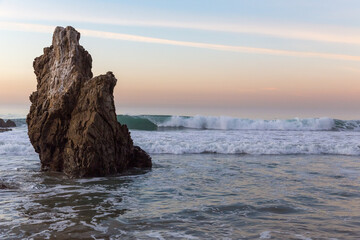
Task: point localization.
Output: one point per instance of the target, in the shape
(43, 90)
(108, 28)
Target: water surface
(257, 195)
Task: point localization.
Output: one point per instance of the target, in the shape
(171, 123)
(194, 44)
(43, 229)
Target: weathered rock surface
(72, 122)
(7, 124)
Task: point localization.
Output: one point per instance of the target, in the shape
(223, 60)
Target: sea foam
(229, 123)
(257, 141)
(252, 142)
(156, 122)
(16, 142)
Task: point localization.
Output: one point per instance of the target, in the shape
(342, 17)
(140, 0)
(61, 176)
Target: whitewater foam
(255, 142)
(265, 235)
(229, 123)
(252, 142)
(161, 122)
(155, 122)
(16, 142)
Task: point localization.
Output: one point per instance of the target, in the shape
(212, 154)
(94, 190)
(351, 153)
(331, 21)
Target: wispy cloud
(219, 47)
(318, 34)
(26, 27)
(321, 33)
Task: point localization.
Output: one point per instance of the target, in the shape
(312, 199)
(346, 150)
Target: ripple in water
(189, 196)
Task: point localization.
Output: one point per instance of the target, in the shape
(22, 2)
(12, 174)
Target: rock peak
(66, 35)
(67, 64)
(72, 121)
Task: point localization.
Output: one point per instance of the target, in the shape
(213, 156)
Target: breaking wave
(161, 122)
(251, 142)
(342, 139)
(158, 122)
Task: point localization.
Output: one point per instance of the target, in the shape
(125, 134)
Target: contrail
(219, 47)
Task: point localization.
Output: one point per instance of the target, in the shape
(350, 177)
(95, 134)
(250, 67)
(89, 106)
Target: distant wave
(163, 122)
(137, 122)
(156, 122)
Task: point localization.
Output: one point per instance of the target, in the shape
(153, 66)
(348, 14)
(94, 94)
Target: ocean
(212, 178)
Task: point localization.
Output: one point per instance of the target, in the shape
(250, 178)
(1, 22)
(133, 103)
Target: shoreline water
(189, 197)
(258, 141)
(261, 184)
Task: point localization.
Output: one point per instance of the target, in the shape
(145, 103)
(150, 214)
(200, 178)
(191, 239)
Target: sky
(243, 58)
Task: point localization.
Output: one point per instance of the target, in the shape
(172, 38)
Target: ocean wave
(16, 143)
(229, 123)
(156, 122)
(163, 122)
(193, 141)
(251, 142)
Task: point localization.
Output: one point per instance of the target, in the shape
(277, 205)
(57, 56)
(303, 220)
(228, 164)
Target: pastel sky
(244, 58)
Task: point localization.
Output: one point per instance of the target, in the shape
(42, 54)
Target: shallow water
(188, 196)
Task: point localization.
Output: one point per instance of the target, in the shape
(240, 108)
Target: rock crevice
(72, 120)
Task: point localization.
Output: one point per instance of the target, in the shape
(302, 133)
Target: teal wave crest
(137, 122)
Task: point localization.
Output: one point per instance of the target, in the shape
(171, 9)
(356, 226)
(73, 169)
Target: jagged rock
(72, 122)
(8, 123)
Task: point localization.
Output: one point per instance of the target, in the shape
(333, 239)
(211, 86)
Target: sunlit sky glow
(255, 59)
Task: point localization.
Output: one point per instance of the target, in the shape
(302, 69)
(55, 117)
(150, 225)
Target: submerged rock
(5, 129)
(7, 124)
(72, 121)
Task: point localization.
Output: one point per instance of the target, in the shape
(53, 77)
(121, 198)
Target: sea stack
(72, 121)
(8, 124)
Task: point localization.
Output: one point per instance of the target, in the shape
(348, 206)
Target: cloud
(347, 36)
(230, 48)
(26, 27)
(320, 33)
(136, 38)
